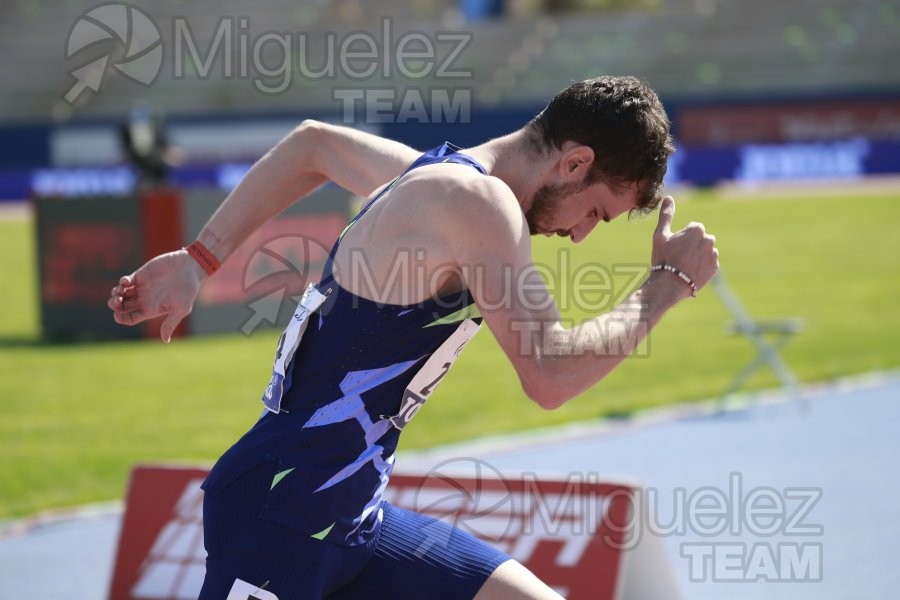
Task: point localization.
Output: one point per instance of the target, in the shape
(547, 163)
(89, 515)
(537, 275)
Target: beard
(545, 205)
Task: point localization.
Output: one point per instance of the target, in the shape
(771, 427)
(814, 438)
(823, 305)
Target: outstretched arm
(310, 155)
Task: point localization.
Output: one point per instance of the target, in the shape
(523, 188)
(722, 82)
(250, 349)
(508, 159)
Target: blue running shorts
(412, 556)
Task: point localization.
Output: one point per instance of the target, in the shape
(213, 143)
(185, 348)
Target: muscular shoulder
(463, 206)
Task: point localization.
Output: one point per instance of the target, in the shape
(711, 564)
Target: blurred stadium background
(787, 117)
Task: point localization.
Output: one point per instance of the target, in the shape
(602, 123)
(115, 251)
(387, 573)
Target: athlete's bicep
(494, 254)
(358, 161)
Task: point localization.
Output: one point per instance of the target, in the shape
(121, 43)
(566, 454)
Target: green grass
(75, 418)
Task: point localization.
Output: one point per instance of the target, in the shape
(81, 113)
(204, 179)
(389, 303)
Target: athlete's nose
(581, 231)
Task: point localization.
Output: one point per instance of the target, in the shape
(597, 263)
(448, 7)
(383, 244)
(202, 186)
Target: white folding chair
(759, 332)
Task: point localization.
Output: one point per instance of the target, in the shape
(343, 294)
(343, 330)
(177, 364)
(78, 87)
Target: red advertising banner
(160, 552)
(788, 122)
(570, 532)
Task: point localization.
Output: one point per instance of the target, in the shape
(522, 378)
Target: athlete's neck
(512, 159)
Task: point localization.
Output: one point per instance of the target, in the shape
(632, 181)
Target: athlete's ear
(576, 161)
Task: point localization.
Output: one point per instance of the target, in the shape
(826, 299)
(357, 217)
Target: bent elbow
(309, 124)
(306, 129)
(545, 393)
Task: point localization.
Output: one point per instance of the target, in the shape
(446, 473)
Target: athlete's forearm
(572, 360)
(285, 174)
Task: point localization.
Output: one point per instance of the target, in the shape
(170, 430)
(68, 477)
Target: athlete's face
(572, 209)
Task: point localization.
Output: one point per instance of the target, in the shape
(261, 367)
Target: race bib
(432, 372)
(287, 346)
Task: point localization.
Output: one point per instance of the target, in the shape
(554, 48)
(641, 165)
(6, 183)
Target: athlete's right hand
(166, 285)
(690, 250)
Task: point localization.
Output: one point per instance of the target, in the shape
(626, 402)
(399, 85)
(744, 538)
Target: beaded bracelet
(204, 257)
(682, 276)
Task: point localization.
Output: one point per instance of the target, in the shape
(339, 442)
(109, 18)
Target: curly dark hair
(623, 121)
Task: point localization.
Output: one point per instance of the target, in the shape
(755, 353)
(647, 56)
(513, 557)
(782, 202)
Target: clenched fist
(690, 250)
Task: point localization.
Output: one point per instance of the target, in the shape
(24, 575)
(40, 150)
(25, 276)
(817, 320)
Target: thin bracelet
(682, 276)
(204, 257)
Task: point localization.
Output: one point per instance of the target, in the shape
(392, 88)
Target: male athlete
(295, 507)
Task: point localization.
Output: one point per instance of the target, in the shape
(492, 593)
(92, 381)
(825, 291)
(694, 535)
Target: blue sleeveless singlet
(360, 373)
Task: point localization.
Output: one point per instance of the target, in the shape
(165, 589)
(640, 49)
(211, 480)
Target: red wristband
(204, 257)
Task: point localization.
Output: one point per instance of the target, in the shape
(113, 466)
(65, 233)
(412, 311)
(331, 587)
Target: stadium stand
(684, 48)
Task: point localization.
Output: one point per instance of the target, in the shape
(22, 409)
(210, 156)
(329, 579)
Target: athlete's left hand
(165, 286)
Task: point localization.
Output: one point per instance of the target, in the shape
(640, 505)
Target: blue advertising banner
(693, 165)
